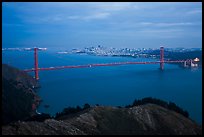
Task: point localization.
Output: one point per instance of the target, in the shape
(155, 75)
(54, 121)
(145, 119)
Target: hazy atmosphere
(84, 24)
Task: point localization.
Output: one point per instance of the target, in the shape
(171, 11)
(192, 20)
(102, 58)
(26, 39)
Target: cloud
(12, 25)
(160, 30)
(134, 26)
(90, 11)
(120, 20)
(162, 33)
(164, 24)
(97, 16)
(43, 19)
(116, 6)
(63, 18)
(93, 16)
(73, 17)
(197, 11)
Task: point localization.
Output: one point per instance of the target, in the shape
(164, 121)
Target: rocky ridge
(149, 119)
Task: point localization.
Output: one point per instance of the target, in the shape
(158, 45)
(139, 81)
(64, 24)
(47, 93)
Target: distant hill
(148, 119)
(19, 99)
(184, 55)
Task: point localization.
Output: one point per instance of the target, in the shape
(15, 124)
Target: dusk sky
(85, 24)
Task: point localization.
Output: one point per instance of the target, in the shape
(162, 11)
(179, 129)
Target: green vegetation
(71, 110)
(170, 105)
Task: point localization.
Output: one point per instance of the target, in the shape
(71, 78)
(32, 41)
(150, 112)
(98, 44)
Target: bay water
(109, 85)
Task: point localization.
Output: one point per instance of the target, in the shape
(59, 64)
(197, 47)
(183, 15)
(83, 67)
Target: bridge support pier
(36, 63)
(162, 58)
(185, 65)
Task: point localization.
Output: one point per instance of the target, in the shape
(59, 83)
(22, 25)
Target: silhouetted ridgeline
(71, 110)
(19, 99)
(170, 105)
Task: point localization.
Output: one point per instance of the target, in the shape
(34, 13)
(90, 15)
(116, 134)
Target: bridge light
(196, 59)
(42, 48)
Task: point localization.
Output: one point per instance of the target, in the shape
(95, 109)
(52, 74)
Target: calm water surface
(116, 85)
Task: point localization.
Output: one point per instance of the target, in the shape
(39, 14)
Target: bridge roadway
(104, 64)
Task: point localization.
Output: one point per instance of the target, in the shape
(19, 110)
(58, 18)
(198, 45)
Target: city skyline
(118, 24)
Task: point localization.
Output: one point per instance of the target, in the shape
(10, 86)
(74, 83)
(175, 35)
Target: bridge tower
(162, 58)
(36, 63)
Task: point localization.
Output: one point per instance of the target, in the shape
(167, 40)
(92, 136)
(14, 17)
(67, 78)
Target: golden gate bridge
(36, 69)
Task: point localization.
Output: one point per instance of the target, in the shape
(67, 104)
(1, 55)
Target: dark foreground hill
(19, 98)
(149, 119)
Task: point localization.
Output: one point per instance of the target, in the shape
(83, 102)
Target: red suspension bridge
(161, 62)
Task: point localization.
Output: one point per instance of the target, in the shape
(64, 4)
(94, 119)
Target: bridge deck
(104, 64)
